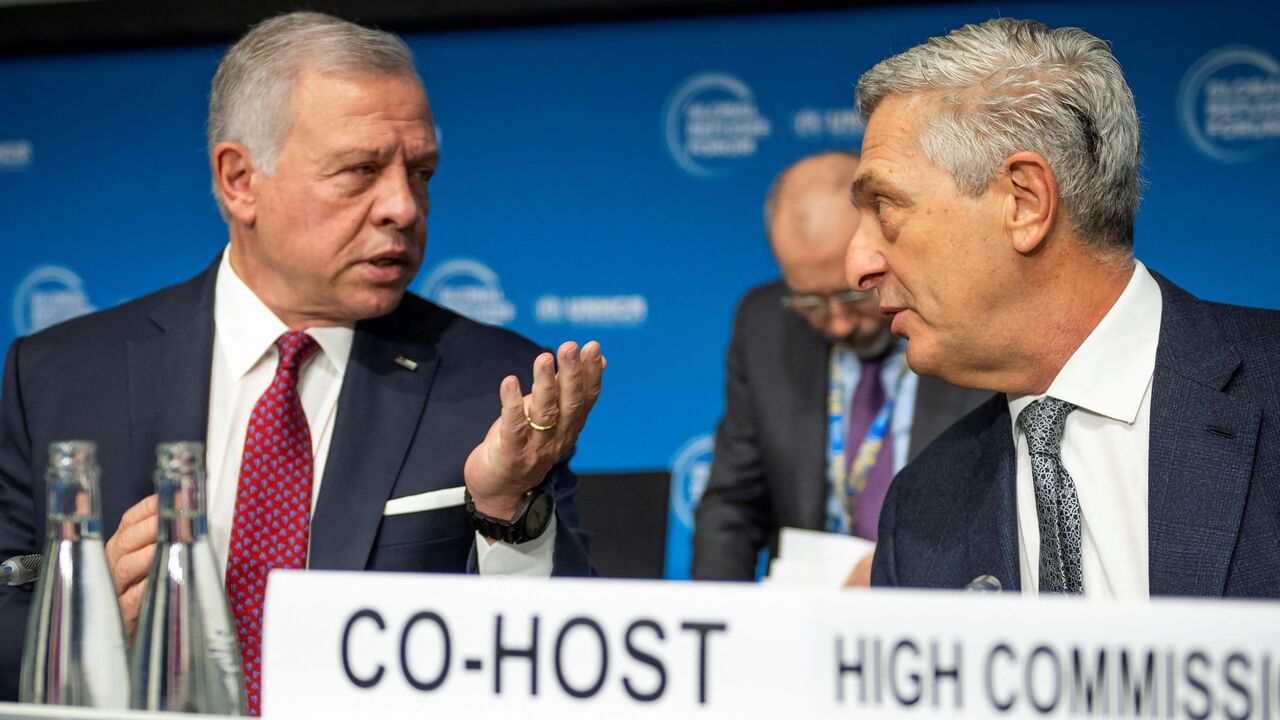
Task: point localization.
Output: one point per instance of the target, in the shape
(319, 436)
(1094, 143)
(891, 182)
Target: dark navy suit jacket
(138, 374)
(1213, 474)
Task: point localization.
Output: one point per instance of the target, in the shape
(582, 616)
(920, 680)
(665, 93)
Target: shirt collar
(1110, 371)
(247, 329)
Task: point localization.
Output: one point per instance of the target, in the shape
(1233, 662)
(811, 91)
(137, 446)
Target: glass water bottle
(185, 655)
(75, 650)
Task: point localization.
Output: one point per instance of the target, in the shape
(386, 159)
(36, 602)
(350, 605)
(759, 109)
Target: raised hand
(534, 430)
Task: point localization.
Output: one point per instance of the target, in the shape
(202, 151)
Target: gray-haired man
(1136, 448)
(321, 144)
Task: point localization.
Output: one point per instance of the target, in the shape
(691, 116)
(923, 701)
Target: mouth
(389, 267)
(896, 313)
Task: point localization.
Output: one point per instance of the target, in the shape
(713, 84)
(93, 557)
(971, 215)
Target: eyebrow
(872, 184)
(352, 156)
(430, 157)
(861, 187)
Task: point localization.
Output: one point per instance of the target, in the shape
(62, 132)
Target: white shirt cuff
(531, 559)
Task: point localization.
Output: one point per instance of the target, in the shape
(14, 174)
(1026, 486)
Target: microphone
(984, 583)
(21, 569)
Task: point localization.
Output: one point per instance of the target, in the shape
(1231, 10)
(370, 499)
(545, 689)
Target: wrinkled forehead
(346, 104)
(891, 145)
(312, 80)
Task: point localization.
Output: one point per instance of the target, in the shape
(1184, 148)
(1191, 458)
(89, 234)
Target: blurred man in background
(820, 408)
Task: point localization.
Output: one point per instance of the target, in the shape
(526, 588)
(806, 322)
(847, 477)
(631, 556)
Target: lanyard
(847, 479)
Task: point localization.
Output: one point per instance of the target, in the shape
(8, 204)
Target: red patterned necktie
(273, 504)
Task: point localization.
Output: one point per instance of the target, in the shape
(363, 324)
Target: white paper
(810, 557)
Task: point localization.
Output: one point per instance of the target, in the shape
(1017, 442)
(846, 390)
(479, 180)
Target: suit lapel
(991, 511)
(1201, 451)
(169, 377)
(379, 410)
(928, 414)
(938, 405)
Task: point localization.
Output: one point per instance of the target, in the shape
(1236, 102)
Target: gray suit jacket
(770, 464)
(1214, 470)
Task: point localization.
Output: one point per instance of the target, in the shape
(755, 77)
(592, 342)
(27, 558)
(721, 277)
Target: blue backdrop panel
(606, 181)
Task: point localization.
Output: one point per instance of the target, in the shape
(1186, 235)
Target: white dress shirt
(1104, 446)
(244, 363)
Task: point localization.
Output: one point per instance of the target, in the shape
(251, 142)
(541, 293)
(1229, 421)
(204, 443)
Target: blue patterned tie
(1057, 505)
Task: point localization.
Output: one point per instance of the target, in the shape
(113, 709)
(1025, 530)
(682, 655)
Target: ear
(1032, 204)
(233, 172)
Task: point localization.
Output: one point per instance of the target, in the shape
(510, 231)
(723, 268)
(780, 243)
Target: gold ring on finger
(541, 428)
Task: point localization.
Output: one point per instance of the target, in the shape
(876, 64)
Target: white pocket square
(434, 500)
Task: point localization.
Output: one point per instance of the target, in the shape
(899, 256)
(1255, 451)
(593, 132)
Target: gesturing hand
(534, 430)
(129, 553)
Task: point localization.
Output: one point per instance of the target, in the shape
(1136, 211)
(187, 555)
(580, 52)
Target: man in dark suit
(799, 349)
(1133, 450)
(321, 145)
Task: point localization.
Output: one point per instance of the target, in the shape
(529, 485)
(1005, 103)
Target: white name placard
(400, 645)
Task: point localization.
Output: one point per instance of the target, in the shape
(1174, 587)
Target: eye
(425, 174)
(364, 169)
(881, 207)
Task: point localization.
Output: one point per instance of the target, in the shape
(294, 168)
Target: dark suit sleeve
(17, 530)
(571, 556)
(732, 521)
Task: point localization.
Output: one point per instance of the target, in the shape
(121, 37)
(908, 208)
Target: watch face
(538, 516)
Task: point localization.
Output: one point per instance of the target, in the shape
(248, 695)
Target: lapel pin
(406, 363)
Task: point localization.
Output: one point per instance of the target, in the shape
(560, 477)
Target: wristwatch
(532, 517)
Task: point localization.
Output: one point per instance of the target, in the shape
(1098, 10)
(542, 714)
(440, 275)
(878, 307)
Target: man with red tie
(349, 424)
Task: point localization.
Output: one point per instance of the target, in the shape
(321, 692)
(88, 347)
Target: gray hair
(250, 99)
(1007, 86)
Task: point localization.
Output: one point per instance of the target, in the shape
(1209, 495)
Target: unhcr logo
(616, 311)
(1230, 104)
(469, 287)
(840, 124)
(16, 154)
(690, 471)
(47, 296)
(713, 124)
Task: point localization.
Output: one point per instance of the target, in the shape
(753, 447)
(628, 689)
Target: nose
(399, 203)
(840, 323)
(865, 267)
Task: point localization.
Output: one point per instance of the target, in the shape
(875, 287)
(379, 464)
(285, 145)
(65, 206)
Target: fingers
(129, 554)
(860, 576)
(136, 534)
(593, 365)
(544, 405)
(131, 607)
(514, 426)
(145, 508)
(132, 568)
(569, 382)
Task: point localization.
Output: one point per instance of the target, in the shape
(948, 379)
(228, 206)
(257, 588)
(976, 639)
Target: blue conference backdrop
(605, 181)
